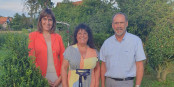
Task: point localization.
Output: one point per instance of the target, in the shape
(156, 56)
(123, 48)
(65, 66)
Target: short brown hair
(46, 12)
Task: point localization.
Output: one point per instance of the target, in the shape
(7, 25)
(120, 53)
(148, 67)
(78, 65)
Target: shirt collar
(125, 36)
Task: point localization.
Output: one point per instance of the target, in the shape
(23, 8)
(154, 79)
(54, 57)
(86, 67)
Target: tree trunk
(158, 76)
(159, 70)
(164, 75)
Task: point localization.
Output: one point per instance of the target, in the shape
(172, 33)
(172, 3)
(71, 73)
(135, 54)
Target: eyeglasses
(119, 23)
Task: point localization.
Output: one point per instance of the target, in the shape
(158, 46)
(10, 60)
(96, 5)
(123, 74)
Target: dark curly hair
(83, 26)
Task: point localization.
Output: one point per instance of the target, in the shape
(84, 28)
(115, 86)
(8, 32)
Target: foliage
(95, 13)
(17, 70)
(99, 38)
(2, 39)
(21, 21)
(150, 81)
(91, 12)
(160, 45)
(143, 14)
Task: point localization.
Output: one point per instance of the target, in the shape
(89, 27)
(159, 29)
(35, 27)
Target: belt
(123, 79)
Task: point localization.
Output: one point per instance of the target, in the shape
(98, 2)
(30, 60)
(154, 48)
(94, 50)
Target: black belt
(123, 79)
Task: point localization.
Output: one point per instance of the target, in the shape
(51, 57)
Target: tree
(160, 47)
(142, 15)
(160, 42)
(20, 21)
(95, 13)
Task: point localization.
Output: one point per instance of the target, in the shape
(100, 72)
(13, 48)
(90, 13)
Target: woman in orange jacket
(47, 48)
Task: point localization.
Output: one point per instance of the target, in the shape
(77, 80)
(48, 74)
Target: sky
(8, 8)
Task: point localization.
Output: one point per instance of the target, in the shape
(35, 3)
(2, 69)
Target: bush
(99, 38)
(2, 39)
(16, 69)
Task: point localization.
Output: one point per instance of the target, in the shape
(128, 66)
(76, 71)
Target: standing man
(122, 56)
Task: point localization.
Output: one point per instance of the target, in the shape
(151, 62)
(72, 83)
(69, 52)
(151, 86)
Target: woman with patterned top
(81, 55)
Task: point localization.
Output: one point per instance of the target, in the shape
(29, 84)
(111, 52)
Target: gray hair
(126, 18)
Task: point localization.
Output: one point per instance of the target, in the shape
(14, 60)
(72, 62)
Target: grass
(150, 81)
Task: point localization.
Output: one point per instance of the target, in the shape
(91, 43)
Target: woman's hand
(57, 82)
(50, 83)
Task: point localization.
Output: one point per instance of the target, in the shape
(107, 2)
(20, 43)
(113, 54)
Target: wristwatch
(137, 86)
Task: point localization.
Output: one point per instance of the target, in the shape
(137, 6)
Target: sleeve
(62, 49)
(139, 53)
(102, 53)
(31, 46)
(67, 53)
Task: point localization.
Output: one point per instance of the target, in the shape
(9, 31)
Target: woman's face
(82, 36)
(47, 23)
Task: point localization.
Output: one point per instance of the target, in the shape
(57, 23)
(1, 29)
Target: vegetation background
(151, 20)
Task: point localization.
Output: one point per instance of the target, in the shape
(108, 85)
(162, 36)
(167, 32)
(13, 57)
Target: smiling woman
(47, 47)
(81, 56)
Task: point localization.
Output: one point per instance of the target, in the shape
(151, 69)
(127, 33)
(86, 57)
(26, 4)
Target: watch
(137, 86)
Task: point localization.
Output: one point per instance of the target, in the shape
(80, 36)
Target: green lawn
(150, 81)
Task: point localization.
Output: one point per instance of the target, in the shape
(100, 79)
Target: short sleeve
(139, 54)
(67, 53)
(102, 53)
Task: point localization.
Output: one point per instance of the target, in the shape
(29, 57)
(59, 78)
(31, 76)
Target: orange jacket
(38, 48)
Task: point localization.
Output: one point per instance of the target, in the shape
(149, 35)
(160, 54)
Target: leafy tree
(160, 47)
(16, 22)
(99, 15)
(20, 21)
(160, 42)
(95, 13)
(142, 14)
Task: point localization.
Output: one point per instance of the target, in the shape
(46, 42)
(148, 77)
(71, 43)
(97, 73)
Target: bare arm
(139, 72)
(64, 76)
(103, 71)
(57, 82)
(97, 74)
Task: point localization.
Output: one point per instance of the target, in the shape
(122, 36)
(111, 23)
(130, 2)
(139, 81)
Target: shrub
(17, 70)
(99, 38)
(2, 38)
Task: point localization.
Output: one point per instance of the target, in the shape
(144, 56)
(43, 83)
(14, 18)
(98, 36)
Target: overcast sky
(10, 7)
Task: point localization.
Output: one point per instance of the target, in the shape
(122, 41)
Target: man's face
(119, 25)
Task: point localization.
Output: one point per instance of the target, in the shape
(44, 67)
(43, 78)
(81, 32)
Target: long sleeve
(31, 46)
